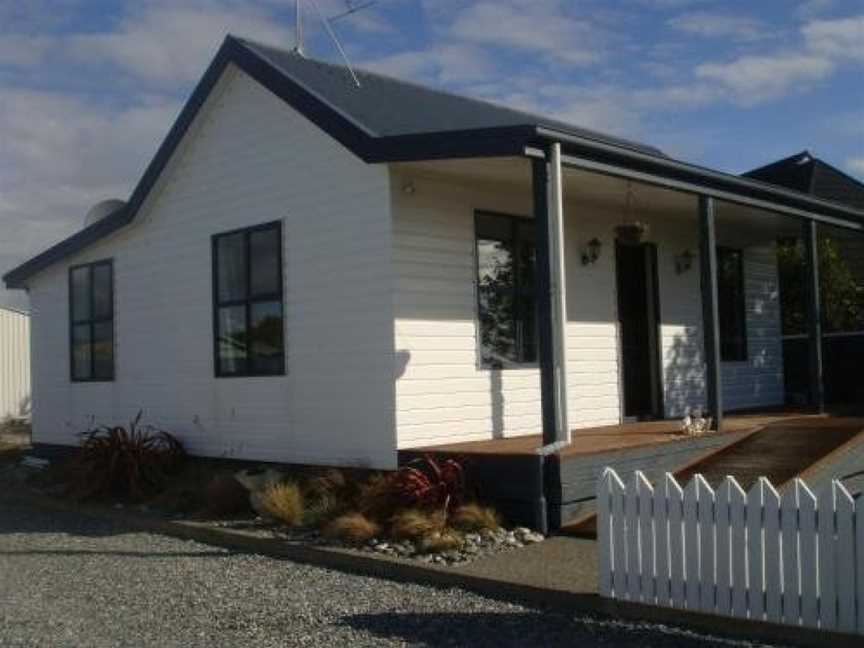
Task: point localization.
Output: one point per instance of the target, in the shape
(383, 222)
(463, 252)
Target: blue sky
(88, 88)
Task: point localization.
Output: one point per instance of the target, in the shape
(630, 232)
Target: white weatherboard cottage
(315, 272)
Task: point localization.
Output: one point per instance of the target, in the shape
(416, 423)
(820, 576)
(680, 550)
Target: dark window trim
(743, 353)
(514, 221)
(92, 321)
(249, 300)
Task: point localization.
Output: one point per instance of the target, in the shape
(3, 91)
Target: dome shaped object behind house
(103, 209)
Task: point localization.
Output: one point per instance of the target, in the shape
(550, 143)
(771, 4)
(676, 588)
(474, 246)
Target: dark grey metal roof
(809, 174)
(383, 106)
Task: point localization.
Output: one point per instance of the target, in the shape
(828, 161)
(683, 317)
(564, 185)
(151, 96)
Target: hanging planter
(631, 233)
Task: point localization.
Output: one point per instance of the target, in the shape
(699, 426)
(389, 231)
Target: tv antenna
(351, 7)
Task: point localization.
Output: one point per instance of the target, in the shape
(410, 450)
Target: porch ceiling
(736, 224)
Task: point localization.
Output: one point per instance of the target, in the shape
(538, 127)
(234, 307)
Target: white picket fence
(796, 559)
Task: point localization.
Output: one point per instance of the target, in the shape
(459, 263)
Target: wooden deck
(556, 490)
(608, 438)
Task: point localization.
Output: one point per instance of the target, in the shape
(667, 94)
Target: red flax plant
(431, 483)
(132, 461)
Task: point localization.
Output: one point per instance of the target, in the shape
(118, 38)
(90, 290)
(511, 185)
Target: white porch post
(559, 291)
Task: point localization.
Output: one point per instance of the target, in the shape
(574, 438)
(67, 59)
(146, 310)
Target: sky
(89, 88)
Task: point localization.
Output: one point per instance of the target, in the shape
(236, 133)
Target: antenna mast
(298, 27)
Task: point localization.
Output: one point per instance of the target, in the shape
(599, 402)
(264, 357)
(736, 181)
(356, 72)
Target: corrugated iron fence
(14, 364)
(796, 559)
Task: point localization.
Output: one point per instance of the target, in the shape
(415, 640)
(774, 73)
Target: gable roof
(388, 121)
(808, 174)
(386, 107)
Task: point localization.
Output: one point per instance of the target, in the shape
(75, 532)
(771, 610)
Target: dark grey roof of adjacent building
(383, 106)
(808, 174)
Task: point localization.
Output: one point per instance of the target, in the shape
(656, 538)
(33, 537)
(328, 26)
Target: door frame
(655, 333)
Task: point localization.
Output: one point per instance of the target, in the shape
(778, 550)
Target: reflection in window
(731, 304)
(247, 269)
(91, 321)
(507, 307)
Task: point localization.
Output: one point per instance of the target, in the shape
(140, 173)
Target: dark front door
(638, 314)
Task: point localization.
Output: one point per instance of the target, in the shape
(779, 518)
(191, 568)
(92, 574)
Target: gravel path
(67, 580)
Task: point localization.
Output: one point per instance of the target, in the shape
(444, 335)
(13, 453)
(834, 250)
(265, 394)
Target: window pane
(264, 251)
(81, 352)
(233, 349)
(527, 256)
(103, 350)
(494, 226)
(267, 346)
(498, 347)
(526, 328)
(231, 271)
(731, 305)
(495, 266)
(80, 287)
(102, 307)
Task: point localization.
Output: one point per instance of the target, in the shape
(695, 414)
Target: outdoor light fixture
(683, 262)
(409, 188)
(591, 252)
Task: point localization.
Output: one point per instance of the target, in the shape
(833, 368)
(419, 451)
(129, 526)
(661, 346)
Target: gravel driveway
(67, 580)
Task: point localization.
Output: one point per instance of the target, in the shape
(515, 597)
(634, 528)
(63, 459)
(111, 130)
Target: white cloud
(60, 155)
(451, 63)
(18, 50)
(172, 45)
(856, 166)
(544, 28)
(716, 25)
(840, 39)
(754, 79)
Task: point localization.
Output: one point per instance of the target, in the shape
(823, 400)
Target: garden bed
(422, 512)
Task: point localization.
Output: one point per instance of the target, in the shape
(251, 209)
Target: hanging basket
(631, 233)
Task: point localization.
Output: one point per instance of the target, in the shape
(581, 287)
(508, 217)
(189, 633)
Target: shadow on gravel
(540, 628)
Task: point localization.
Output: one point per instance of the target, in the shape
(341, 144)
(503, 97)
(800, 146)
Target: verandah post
(710, 309)
(810, 234)
(550, 289)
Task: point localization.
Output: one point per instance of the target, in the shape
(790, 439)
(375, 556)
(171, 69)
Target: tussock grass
(352, 528)
(472, 518)
(413, 524)
(284, 502)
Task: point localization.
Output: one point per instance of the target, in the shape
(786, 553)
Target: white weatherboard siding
(758, 381)
(442, 396)
(14, 364)
(250, 160)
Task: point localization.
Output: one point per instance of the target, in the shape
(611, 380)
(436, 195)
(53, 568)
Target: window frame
(92, 321)
(518, 291)
(742, 353)
(249, 300)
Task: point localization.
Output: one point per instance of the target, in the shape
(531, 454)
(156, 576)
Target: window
(507, 308)
(248, 302)
(732, 305)
(91, 322)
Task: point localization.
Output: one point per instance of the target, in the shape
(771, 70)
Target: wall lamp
(591, 252)
(683, 262)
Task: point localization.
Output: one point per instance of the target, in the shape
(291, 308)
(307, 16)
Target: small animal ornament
(695, 425)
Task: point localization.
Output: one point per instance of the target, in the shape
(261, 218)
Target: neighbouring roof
(386, 120)
(808, 174)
